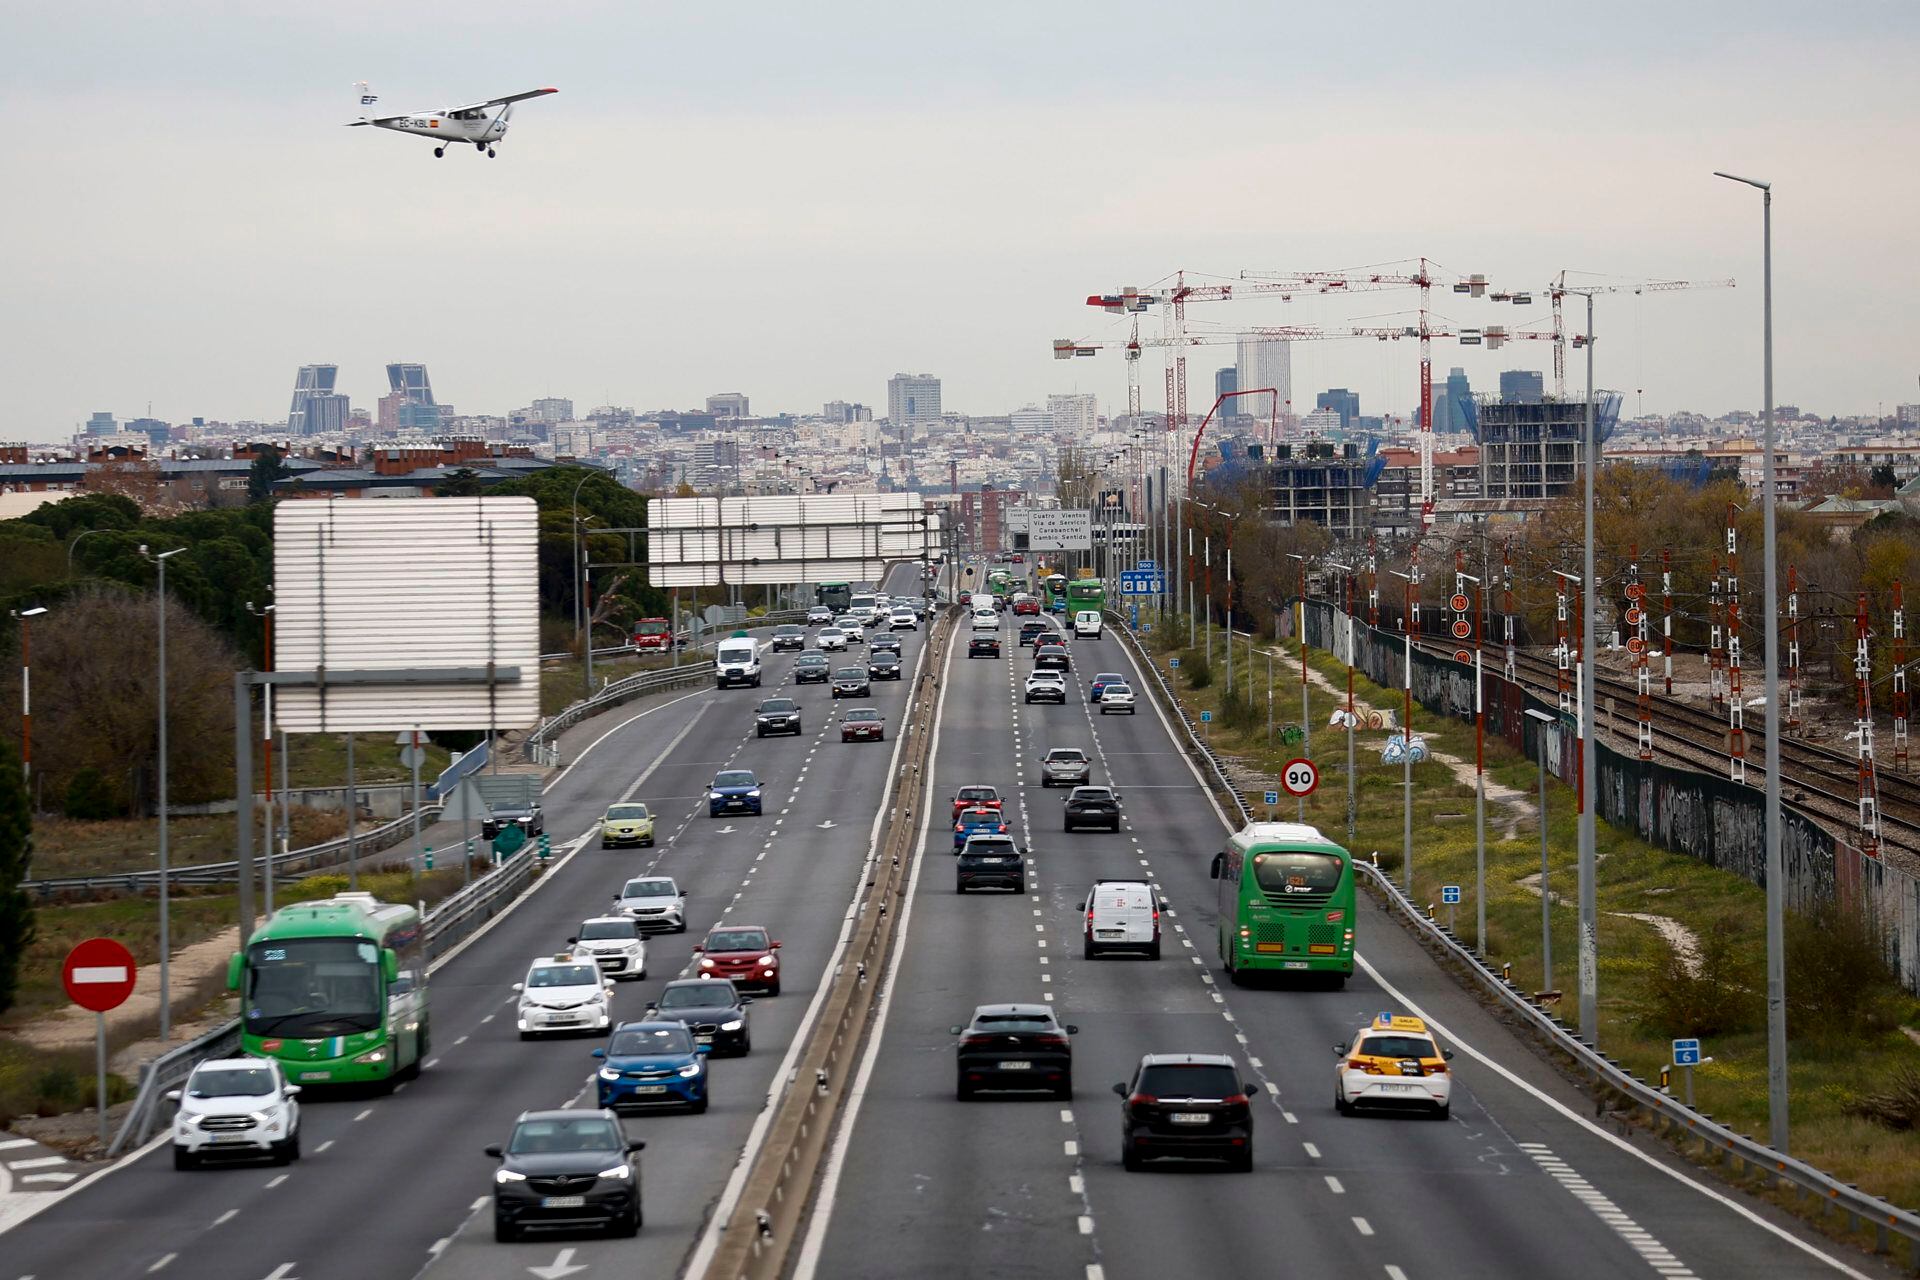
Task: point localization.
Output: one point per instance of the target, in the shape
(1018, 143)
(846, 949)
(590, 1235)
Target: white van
(986, 619)
(1122, 915)
(866, 608)
(1086, 623)
(736, 660)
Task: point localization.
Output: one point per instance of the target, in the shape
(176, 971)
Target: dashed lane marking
(1364, 1227)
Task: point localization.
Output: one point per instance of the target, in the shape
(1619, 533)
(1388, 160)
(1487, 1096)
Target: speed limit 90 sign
(1300, 777)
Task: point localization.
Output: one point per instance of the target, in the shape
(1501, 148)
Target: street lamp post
(582, 622)
(76, 542)
(26, 695)
(1306, 720)
(1542, 719)
(1479, 781)
(1406, 735)
(266, 739)
(1347, 632)
(1770, 586)
(160, 595)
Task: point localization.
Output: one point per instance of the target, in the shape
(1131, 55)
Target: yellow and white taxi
(1393, 1061)
(628, 823)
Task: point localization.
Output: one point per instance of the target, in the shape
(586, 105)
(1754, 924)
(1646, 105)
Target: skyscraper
(312, 380)
(1342, 401)
(1076, 415)
(1452, 403)
(1522, 386)
(913, 397)
(415, 409)
(728, 404)
(552, 409)
(1225, 382)
(1264, 363)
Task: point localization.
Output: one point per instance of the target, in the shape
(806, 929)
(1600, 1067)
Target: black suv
(1093, 807)
(989, 862)
(776, 715)
(810, 668)
(1186, 1104)
(983, 645)
(712, 1008)
(884, 642)
(530, 818)
(852, 682)
(789, 637)
(1032, 629)
(566, 1170)
(1014, 1046)
(884, 665)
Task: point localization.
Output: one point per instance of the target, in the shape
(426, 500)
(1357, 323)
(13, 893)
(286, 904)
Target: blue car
(977, 822)
(733, 791)
(652, 1064)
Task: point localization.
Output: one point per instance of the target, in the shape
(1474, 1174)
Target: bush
(89, 799)
(1896, 1107)
(1721, 998)
(1239, 714)
(1198, 670)
(1840, 983)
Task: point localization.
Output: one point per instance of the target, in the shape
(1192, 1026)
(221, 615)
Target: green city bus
(1086, 593)
(1286, 902)
(1000, 582)
(1055, 586)
(835, 595)
(336, 989)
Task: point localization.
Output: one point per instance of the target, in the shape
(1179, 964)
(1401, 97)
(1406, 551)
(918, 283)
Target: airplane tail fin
(368, 98)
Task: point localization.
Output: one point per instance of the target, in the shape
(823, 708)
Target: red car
(863, 724)
(744, 953)
(1026, 604)
(985, 797)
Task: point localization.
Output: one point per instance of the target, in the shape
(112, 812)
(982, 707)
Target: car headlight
(713, 795)
(376, 1055)
(689, 1071)
(619, 1171)
(754, 794)
(508, 1175)
(706, 962)
(766, 959)
(608, 1073)
(735, 1025)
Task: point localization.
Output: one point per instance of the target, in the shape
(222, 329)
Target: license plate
(316, 1075)
(649, 1088)
(1189, 1117)
(229, 1139)
(703, 1039)
(1396, 1088)
(1111, 933)
(1016, 1066)
(1295, 964)
(562, 1202)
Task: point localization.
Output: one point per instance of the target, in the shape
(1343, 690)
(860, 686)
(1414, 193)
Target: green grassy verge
(1836, 1058)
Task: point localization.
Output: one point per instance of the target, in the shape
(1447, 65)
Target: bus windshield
(1297, 872)
(312, 987)
(658, 627)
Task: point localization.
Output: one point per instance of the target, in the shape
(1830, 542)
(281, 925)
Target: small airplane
(451, 125)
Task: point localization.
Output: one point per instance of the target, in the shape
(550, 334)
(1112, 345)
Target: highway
(394, 1186)
(1516, 1183)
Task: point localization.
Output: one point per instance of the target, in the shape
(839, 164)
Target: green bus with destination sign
(1286, 896)
(336, 990)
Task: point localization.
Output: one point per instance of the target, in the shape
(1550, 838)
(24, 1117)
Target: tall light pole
(160, 596)
(76, 542)
(26, 695)
(1406, 737)
(1306, 719)
(1479, 781)
(1347, 632)
(1587, 945)
(1776, 866)
(266, 743)
(582, 617)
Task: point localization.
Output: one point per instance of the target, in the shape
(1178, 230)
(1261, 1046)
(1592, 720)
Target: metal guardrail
(372, 840)
(1669, 1116)
(447, 923)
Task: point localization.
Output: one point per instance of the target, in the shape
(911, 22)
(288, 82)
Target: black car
(776, 715)
(1031, 630)
(810, 668)
(530, 818)
(989, 862)
(1093, 807)
(885, 642)
(884, 666)
(983, 645)
(712, 1008)
(1186, 1104)
(1050, 657)
(1014, 1046)
(566, 1170)
(789, 637)
(852, 682)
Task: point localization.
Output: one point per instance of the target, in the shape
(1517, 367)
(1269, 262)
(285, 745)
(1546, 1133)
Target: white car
(902, 619)
(1393, 1062)
(856, 629)
(1121, 915)
(1048, 685)
(562, 993)
(882, 601)
(831, 638)
(653, 902)
(986, 619)
(236, 1107)
(614, 943)
(819, 616)
(1116, 697)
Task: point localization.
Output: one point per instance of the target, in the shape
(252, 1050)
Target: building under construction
(1321, 483)
(1530, 450)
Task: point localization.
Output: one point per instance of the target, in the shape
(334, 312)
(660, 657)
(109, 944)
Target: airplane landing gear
(490, 153)
(438, 152)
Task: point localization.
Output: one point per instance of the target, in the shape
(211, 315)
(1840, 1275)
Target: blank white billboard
(702, 542)
(420, 584)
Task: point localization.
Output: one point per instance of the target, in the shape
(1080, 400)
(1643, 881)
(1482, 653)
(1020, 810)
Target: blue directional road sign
(1145, 566)
(1449, 893)
(1686, 1053)
(1136, 582)
(1271, 797)
(1206, 717)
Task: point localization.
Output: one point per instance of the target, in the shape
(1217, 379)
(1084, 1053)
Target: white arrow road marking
(726, 830)
(562, 1265)
(282, 1272)
(828, 823)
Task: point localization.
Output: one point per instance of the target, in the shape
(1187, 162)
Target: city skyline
(523, 274)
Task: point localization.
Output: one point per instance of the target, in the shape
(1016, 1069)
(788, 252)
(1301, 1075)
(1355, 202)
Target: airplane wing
(354, 124)
(501, 102)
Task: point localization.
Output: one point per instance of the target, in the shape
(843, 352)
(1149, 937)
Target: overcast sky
(798, 200)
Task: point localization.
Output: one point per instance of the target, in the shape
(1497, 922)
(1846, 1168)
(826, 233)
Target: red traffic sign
(1634, 615)
(1635, 591)
(1300, 777)
(98, 974)
(1458, 603)
(1636, 645)
(1462, 629)
(1463, 655)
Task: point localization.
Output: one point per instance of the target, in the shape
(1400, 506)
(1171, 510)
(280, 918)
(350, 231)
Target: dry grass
(68, 847)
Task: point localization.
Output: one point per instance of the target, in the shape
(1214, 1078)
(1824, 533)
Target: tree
(462, 482)
(16, 857)
(267, 468)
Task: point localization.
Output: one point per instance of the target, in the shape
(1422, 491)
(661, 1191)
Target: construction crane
(1558, 291)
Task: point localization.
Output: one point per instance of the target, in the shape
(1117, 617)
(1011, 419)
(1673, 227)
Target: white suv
(902, 619)
(236, 1107)
(613, 943)
(653, 902)
(562, 993)
(1049, 684)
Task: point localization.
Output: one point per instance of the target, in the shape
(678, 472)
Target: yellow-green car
(626, 824)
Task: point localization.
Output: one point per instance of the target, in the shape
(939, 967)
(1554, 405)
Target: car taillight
(1434, 1068)
(1234, 1100)
(1051, 1042)
(1362, 1064)
(1142, 1099)
(977, 1040)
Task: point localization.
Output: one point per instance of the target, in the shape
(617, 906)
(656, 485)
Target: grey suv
(1065, 767)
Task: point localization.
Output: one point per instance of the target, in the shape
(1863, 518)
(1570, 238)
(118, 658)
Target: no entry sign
(98, 974)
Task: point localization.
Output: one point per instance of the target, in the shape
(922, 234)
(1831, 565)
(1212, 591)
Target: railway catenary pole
(1666, 614)
(1346, 571)
(1471, 616)
(1900, 708)
(1793, 649)
(1412, 578)
(1736, 689)
(1636, 618)
(1589, 942)
(1715, 655)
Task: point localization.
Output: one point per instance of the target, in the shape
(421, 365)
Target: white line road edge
(1510, 1077)
(756, 1138)
(46, 1200)
(822, 1217)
